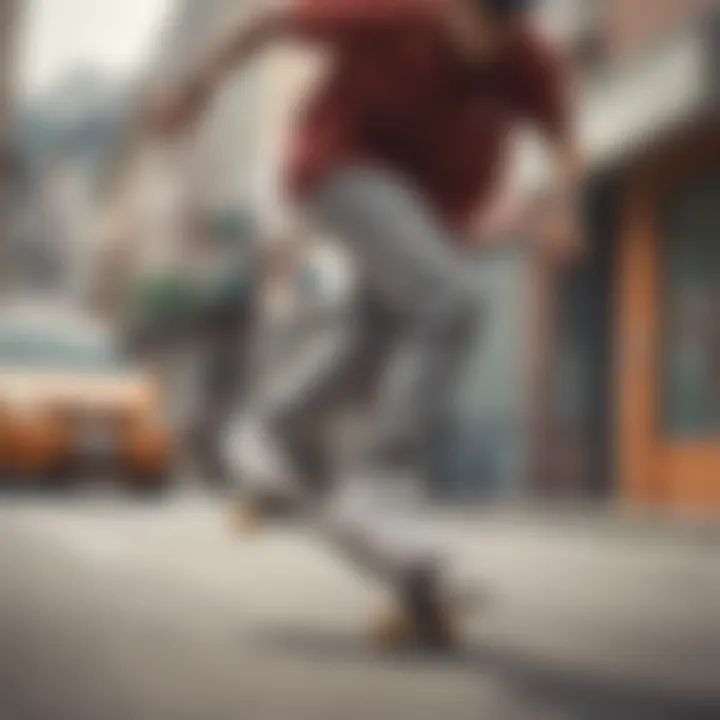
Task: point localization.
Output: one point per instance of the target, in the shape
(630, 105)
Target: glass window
(691, 312)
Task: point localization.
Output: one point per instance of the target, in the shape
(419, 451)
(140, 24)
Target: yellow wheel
(390, 628)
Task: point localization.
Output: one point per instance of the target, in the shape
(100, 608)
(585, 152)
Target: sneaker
(429, 614)
(422, 617)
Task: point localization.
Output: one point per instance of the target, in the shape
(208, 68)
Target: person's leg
(286, 446)
(309, 411)
(414, 267)
(416, 277)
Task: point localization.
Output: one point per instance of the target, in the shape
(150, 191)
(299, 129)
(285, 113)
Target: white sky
(116, 36)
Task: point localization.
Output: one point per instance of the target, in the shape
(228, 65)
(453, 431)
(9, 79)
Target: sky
(114, 36)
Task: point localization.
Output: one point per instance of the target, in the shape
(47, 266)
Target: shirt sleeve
(546, 100)
(336, 20)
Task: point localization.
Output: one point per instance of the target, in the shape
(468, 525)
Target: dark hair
(504, 9)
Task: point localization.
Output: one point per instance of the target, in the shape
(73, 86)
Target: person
(400, 153)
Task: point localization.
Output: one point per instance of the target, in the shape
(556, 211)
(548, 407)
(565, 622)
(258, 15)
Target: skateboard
(391, 627)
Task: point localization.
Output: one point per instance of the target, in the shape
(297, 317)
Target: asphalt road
(114, 610)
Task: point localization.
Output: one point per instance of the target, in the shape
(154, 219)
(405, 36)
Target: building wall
(653, 97)
(9, 16)
(568, 21)
(287, 76)
(625, 26)
(236, 157)
(631, 25)
(230, 164)
(627, 99)
(222, 158)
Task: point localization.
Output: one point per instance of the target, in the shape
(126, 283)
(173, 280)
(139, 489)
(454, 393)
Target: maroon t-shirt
(397, 95)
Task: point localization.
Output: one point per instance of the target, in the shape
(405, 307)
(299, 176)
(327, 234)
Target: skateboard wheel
(390, 629)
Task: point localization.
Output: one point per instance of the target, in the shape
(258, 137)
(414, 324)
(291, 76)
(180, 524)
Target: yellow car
(71, 406)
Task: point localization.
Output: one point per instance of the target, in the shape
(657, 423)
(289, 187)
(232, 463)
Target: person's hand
(496, 221)
(559, 232)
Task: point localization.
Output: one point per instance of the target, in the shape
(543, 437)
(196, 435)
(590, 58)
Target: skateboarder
(395, 153)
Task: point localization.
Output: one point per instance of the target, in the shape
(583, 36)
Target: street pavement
(111, 609)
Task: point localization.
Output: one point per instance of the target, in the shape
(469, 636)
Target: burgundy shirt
(397, 95)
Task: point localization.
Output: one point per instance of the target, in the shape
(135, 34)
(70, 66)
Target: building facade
(631, 352)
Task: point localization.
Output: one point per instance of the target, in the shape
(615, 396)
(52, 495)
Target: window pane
(691, 312)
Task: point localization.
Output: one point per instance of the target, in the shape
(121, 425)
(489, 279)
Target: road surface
(114, 610)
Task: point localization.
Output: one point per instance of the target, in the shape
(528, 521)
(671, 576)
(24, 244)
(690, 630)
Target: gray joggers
(416, 316)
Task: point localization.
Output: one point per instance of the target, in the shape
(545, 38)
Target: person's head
(478, 28)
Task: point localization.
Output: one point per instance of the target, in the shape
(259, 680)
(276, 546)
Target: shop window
(690, 368)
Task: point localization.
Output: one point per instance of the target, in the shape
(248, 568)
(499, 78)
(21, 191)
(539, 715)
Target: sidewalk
(602, 521)
(589, 618)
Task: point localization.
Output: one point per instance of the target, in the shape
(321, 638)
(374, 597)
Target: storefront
(669, 330)
(637, 356)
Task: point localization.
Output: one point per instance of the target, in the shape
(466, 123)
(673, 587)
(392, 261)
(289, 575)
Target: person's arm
(255, 28)
(552, 217)
(180, 104)
(319, 21)
(557, 214)
(560, 209)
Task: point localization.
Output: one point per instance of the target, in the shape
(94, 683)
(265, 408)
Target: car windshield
(28, 351)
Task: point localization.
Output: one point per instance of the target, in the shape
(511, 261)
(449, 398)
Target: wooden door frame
(641, 460)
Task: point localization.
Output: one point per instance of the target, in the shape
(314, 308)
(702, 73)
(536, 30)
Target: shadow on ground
(570, 691)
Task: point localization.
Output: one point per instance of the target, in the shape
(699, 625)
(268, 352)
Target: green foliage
(175, 299)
